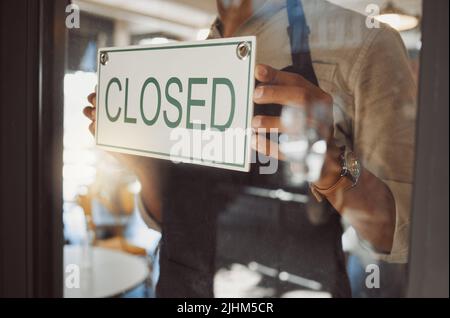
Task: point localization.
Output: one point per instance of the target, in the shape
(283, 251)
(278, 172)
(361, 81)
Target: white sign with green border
(185, 102)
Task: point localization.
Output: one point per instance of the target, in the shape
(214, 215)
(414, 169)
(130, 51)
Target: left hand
(290, 90)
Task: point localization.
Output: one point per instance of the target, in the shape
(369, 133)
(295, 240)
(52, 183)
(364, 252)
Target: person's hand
(292, 90)
(137, 164)
(146, 170)
(90, 111)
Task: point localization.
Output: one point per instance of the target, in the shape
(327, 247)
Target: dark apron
(209, 221)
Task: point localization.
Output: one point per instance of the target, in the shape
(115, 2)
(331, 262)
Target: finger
(89, 112)
(275, 124)
(266, 147)
(296, 96)
(269, 75)
(272, 124)
(92, 98)
(92, 128)
(267, 122)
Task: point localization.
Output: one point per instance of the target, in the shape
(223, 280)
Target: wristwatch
(349, 176)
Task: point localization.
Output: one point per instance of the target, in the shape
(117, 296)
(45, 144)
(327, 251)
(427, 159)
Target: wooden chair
(121, 205)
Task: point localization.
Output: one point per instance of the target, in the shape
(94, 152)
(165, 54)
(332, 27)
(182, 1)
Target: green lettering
(227, 82)
(150, 80)
(127, 119)
(174, 102)
(112, 81)
(194, 102)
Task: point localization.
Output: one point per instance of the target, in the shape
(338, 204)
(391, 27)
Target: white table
(103, 272)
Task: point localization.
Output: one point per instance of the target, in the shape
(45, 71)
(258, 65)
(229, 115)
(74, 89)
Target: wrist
(331, 170)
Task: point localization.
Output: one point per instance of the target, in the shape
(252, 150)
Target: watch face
(353, 166)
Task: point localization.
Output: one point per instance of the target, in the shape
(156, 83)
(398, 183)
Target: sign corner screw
(104, 58)
(243, 50)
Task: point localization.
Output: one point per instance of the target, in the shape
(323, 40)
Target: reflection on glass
(347, 84)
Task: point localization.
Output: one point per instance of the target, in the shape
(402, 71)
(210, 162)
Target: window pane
(333, 218)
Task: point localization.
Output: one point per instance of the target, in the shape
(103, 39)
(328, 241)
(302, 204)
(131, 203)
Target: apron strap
(298, 31)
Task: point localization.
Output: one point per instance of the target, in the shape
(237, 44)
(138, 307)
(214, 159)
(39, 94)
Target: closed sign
(185, 102)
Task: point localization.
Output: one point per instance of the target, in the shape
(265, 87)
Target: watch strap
(342, 184)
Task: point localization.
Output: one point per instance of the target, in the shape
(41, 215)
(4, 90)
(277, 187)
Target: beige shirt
(366, 71)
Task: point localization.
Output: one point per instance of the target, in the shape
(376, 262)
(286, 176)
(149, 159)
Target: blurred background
(100, 206)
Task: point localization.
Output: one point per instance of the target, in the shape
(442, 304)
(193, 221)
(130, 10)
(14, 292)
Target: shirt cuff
(148, 219)
(397, 255)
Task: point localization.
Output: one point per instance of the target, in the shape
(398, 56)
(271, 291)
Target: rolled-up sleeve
(146, 216)
(384, 125)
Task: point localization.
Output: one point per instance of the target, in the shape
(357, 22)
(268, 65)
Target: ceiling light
(397, 18)
(155, 40)
(202, 34)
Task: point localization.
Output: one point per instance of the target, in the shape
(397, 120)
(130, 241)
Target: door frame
(428, 259)
(32, 63)
(33, 41)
